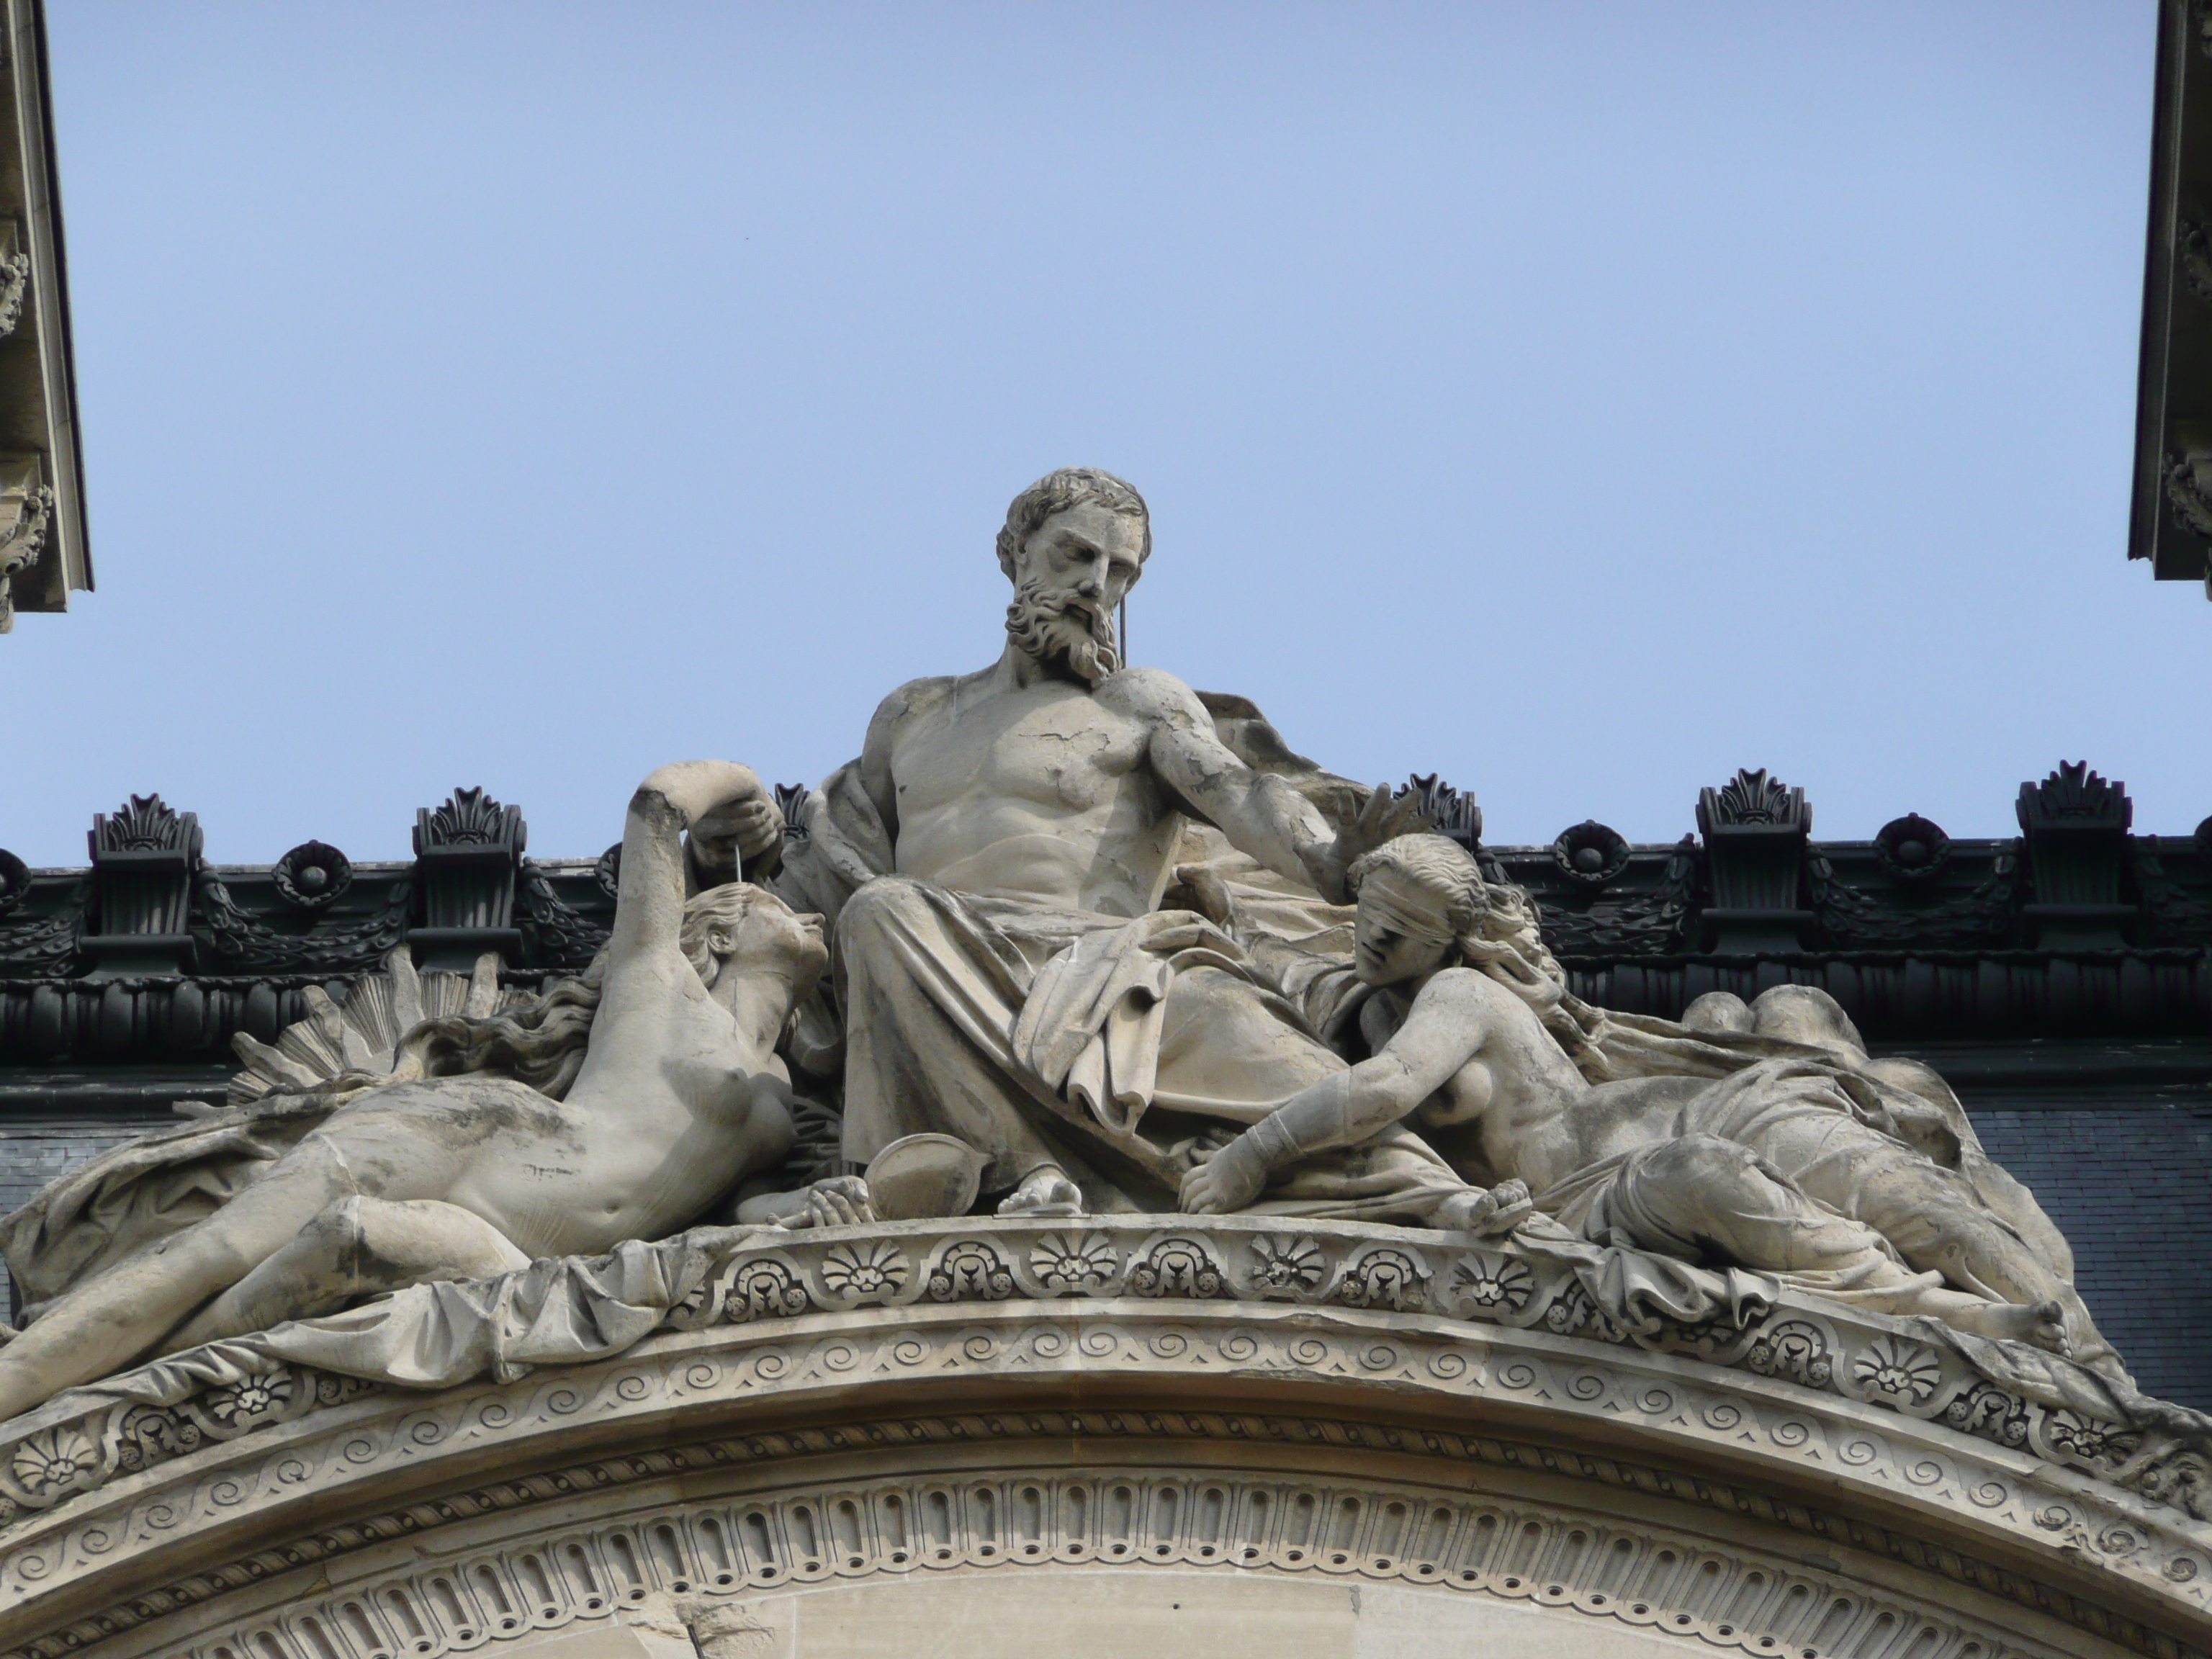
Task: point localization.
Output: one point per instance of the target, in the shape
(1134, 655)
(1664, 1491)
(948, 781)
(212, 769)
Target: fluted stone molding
(732, 1565)
(1234, 1338)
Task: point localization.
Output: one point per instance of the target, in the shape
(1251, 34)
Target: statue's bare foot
(2042, 1324)
(1044, 1192)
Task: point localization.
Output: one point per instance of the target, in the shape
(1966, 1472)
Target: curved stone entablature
(1244, 1341)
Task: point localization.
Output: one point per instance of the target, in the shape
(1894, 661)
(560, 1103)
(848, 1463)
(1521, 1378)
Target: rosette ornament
(1911, 848)
(311, 875)
(1591, 853)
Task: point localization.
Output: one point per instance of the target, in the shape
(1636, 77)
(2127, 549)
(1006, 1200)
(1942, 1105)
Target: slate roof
(2130, 1186)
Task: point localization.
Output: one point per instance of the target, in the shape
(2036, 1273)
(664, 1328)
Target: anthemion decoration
(1083, 1178)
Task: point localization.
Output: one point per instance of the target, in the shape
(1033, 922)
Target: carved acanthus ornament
(2188, 483)
(26, 509)
(1191, 1118)
(14, 278)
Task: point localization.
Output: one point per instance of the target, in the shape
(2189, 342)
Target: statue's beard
(1079, 641)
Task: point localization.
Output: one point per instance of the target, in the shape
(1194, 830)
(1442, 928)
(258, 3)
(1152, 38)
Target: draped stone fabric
(967, 1015)
(568, 1311)
(1102, 1044)
(87, 1220)
(572, 1309)
(1113, 1046)
(561, 1311)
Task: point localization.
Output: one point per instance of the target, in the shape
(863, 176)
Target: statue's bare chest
(1055, 746)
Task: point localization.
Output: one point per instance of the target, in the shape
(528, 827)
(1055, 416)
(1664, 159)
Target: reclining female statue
(678, 1095)
(1799, 1159)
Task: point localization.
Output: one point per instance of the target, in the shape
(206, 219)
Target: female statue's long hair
(542, 1042)
(1494, 928)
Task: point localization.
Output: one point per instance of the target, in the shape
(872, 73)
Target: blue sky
(1580, 400)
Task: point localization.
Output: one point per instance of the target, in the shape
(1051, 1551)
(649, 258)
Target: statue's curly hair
(1496, 929)
(1056, 492)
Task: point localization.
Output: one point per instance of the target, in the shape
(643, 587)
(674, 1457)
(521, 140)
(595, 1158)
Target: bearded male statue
(996, 861)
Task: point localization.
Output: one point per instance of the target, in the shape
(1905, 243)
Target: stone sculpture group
(1117, 949)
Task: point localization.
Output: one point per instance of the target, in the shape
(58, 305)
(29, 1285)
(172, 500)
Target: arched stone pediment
(842, 1421)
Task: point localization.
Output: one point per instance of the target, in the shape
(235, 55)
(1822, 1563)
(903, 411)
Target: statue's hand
(738, 832)
(1228, 1180)
(1384, 817)
(838, 1201)
(1200, 888)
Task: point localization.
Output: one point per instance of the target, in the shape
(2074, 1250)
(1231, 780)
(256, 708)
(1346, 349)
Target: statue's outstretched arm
(649, 901)
(1445, 1029)
(1264, 817)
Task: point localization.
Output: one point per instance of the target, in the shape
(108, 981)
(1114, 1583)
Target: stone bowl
(922, 1177)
